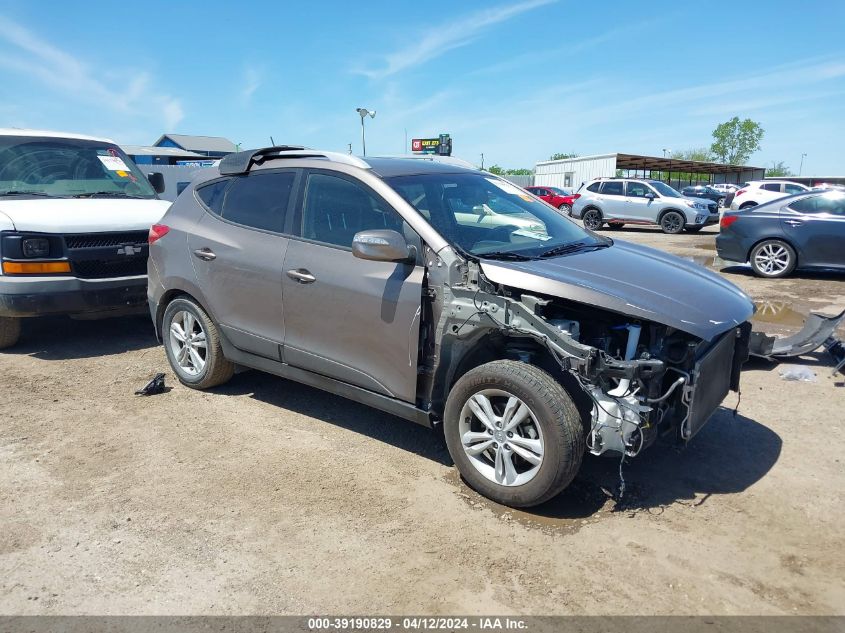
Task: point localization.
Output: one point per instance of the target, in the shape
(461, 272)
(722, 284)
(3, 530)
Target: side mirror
(649, 195)
(382, 245)
(157, 181)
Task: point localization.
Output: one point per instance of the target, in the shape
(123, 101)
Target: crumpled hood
(637, 281)
(82, 215)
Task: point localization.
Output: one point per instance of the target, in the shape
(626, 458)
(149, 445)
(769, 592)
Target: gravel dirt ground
(266, 497)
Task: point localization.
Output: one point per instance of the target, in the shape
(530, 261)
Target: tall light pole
(364, 112)
(802, 164)
(666, 151)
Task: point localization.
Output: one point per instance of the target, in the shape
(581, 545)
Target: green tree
(779, 169)
(519, 172)
(495, 169)
(560, 156)
(735, 140)
(701, 154)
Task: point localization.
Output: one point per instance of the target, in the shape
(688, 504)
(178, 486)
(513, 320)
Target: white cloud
(439, 39)
(61, 72)
(252, 79)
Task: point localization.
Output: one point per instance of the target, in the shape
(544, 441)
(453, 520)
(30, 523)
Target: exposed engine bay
(637, 379)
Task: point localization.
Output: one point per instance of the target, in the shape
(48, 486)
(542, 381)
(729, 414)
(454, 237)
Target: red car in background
(556, 197)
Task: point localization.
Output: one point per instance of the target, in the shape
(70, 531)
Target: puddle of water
(713, 262)
(707, 246)
(780, 313)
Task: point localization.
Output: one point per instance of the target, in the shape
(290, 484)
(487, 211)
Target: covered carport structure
(571, 172)
(681, 173)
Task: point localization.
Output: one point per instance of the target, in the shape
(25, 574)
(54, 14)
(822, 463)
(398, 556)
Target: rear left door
(237, 250)
(613, 200)
(816, 226)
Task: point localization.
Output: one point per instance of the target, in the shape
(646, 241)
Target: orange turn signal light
(35, 268)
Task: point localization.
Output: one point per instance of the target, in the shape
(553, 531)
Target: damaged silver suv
(531, 341)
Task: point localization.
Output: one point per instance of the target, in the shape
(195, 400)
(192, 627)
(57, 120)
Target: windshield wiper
(113, 194)
(25, 193)
(573, 247)
(507, 255)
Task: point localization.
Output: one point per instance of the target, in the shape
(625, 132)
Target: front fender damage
(632, 390)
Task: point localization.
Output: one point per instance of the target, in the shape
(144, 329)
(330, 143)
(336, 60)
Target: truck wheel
(772, 258)
(10, 331)
(513, 432)
(672, 222)
(193, 346)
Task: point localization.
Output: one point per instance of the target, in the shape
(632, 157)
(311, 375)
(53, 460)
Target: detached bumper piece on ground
(818, 331)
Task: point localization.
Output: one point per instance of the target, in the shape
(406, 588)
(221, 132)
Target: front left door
(348, 318)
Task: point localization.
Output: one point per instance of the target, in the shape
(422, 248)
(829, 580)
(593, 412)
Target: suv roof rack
(240, 162)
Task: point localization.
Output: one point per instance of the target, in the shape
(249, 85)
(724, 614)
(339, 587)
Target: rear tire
(192, 344)
(672, 222)
(566, 209)
(773, 259)
(592, 219)
(10, 331)
(550, 434)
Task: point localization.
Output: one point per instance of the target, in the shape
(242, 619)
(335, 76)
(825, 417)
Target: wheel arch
(497, 346)
(166, 299)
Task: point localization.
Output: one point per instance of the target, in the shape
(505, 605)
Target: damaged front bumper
(818, 331)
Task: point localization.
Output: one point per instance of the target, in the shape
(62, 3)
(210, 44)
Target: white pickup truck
(75, 213)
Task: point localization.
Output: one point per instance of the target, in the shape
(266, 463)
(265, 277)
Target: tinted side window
(594, 187)
(820, 204)
(259, 200)
(793, 189)
(770, 186)
(612, 188)
(336, 209)
(212, 195)
(637, 190)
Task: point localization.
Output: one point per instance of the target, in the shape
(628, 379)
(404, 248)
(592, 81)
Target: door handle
(302, 276)
(205, 254)
(794, 222)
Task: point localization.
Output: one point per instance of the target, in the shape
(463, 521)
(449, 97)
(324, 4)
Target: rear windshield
(68, 168)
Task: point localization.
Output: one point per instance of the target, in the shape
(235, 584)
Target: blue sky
(516, 80)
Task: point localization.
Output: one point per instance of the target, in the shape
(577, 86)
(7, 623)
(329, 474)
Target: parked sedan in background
(725, 187)
(560, 198)
(705, 191)
(801, 231)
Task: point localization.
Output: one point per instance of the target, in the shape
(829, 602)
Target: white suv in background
(620, 201)
(762, 191)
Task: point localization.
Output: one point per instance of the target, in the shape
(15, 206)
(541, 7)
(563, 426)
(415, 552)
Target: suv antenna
(272, 142)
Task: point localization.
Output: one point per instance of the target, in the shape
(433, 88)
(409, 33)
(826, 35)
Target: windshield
(487, 216)
(560, 192)
(67, 168)
(664, 190)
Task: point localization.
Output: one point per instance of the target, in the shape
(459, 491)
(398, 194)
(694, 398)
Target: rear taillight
(157, 231)
(575, 196)
(739, 193)
(727, 220)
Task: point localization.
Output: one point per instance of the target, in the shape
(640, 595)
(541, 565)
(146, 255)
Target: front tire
(10, 331)
(566, 209)
(592, 219)
(672, 222)
(514, 433)
(192, 344)
(772, 259)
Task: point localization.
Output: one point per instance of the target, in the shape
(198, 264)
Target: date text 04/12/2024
(417, 623)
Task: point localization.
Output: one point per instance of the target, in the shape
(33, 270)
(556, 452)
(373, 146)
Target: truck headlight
(35, 247)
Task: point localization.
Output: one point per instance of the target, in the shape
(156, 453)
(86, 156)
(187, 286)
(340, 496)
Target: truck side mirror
(157, 181)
